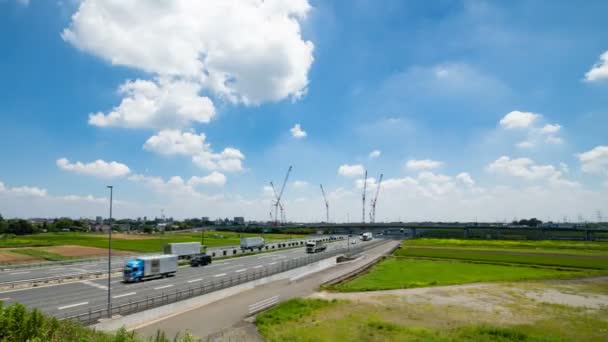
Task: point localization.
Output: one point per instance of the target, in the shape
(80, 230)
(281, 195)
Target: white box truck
(251, 243)
(366, 236)
(149, 267)
(183, 250)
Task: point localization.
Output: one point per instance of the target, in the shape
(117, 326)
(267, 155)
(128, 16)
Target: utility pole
(111, 187)
(363, 197)
(326, 204)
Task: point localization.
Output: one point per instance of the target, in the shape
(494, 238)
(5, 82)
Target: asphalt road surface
(76, 297)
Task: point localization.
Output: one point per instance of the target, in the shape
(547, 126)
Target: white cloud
(351, 170)
(244, 51)
(599, 71)
(176, 142)
(214, 178)
(30, 191)
(423, 164)
(98, 168)
(527, 169)
(550, 128)
(297, 132)
(298, 184)
(595, 160)
(465, 178)
(174, 186)
(375, 154)
(525, 144)
(157, 104)
(87, 198)
(173, 141)
(517, 119)
(554, 140)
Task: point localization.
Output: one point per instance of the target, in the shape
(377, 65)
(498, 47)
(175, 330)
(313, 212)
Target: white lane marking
(272, 263)
(72, 305)
(116, 281)
(220, 275)
(195, 280)
(90, 283)
(124, 295)
(163, 287)
(258, 266)
(241, 270)
(57, 269)
(22, 272)
(4, 299)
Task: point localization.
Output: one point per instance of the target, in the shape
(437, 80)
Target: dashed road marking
(220, 275)
(195, 280)
(163, 287)
(124, 295)
(72, 305)
(241, 270)
(4, 299)
(23, 272)
(90, 283)
(272, 263)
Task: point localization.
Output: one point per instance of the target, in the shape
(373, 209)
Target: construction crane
(372, 214)
(278, 203)
(363, 197)
(326, 204)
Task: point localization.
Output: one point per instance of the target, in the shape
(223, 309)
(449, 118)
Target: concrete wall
(136, 320)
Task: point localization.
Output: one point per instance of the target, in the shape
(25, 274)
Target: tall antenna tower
(372, 215)
(326, 204)
(599, 216)
(363, 197)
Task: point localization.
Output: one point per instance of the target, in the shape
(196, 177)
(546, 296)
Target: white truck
(183, 250)
(251, 243)
(366, 236)
(149, 267)
(315, 246)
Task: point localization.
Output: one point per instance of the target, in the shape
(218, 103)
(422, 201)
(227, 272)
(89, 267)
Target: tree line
(23, 227)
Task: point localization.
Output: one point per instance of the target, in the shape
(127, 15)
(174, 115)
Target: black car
(200, 260)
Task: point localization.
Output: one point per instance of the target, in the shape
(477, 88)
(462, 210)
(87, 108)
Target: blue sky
(482, 109)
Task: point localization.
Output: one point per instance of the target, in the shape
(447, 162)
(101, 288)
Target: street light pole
(110, 256)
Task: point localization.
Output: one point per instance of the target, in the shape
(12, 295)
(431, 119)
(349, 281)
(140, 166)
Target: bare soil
(6, 257)
(80, 251)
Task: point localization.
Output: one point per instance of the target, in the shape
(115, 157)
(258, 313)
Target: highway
(77, 297)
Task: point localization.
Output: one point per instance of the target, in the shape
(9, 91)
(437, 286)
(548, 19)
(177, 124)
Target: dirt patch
(80, 251)
(7, 257)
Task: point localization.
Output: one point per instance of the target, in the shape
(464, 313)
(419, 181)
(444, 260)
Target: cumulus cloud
(529, 170)
(550, 128)
(423, 164)
(245, 51)
(28, 191)
(157, 104)
(374, 154)
(176, 142)
(298, 184)
(517, 119)
(465, 178)
(214, 178)
(599, 71)
(98, 168)
(174, 186)
(595, 160)
(297, 132)
(525, 144)
(351, 170)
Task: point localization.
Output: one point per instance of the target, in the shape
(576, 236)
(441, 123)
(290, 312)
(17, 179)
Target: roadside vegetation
(37, 253)
(20, 324)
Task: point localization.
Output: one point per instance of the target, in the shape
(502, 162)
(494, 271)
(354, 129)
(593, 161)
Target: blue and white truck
(153, 266)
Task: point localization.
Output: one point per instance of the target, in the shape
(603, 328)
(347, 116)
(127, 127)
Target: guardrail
(93, 315)
(10, 285)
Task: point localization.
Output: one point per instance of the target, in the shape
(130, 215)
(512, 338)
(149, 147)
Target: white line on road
(90, 283)
(124, 295)
(272, 263)
(163, 287)
(220, 275)
(195, 280)
(241, 270)
(258, 266)
(24, 272)
(4, 299)
(57, 269)
(72, 305)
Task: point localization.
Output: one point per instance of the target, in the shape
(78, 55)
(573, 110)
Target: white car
(352, 242)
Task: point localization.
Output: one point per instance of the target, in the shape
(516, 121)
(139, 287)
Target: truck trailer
(183, 250)
(366, 236)
(251, 243)
(152, 266)
(315, 246)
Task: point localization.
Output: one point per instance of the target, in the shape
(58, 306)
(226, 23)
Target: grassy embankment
(139, 243)
(429, 262)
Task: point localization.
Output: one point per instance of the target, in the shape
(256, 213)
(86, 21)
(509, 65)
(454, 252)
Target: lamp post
(110, 256)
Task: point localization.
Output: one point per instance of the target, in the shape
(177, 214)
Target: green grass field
(41, 254)
(544, 245)
(320, 320)
(152, 244)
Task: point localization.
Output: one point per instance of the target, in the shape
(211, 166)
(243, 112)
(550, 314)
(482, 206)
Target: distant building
(98, 220)
(239, 220)
(205, 219)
